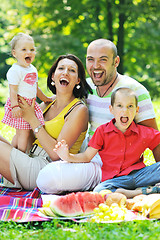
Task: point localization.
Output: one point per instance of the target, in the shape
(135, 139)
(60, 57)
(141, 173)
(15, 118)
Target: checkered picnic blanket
(19, 205)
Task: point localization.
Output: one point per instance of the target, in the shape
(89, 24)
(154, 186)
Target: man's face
(100, 64)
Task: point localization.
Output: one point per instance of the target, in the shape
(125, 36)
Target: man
(101, 63)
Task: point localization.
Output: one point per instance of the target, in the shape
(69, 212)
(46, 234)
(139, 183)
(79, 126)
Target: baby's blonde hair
(17, 37)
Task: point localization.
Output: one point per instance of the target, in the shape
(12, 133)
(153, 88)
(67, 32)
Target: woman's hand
(16, 112)
(28, 111)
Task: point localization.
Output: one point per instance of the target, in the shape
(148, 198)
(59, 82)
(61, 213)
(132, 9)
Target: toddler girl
(23, 81)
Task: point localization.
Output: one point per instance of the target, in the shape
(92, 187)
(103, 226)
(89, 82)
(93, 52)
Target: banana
(155, 216)
(47, 211)
(41, 210)
(155, 213)
(150, 203)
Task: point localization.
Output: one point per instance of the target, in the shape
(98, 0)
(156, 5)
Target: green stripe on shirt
(143, 97)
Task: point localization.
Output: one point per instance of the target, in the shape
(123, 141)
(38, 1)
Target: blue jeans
(147, 176)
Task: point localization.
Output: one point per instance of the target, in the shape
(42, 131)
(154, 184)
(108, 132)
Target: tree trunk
(97, 13)
(120, 44)
(109, 19)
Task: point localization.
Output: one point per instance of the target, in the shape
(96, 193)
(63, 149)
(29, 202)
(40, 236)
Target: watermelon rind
(67, 206)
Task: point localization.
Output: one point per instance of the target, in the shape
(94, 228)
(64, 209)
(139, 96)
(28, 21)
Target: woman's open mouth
(64, 82)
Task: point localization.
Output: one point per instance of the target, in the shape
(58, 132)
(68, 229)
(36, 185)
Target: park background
(68, 26)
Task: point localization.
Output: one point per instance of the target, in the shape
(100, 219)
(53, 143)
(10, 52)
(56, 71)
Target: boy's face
(124, 110)
(24, 52)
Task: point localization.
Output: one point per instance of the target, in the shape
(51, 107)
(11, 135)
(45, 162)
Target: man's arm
(156, 153)
(152, 123)
(149, 123)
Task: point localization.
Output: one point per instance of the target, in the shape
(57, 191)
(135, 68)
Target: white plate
(64, 218)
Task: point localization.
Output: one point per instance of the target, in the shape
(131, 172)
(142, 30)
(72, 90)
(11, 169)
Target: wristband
(15, 106)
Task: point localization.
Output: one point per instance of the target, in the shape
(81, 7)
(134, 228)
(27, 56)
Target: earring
(78, 86)
(52, 83)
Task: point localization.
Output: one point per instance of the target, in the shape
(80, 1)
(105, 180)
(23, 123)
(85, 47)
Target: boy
(121, 144)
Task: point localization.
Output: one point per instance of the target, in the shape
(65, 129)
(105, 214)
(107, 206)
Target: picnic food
(105, 213)
(151, 206)
(115, 207)
(67, 206)
(89, 200)
(47, 211)
(135, 203)
(73, 204)
(118, 198)
(105, 192)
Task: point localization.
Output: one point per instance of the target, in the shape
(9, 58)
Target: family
(93, 132)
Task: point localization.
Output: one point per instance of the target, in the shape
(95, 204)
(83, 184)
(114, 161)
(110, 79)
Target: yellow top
(55, 125)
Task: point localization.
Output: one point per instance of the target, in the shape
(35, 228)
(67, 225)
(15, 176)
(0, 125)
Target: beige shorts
(25, 169)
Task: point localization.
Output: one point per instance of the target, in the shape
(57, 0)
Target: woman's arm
(61, 148)
(42, 96)
(75, 123)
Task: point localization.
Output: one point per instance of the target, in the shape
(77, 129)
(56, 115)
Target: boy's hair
(125, 90)
(17, 37)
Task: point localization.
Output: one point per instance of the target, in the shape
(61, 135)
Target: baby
(23, 81)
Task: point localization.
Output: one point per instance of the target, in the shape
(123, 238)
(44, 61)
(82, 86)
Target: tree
(64, 26)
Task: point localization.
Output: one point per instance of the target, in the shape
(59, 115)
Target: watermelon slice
(67, 206)
(71, 205)
(89, 201)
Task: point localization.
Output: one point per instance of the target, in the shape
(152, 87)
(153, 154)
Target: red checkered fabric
(20, 123)
(20, 205)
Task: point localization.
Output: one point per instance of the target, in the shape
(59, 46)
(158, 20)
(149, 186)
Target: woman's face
(66, 75)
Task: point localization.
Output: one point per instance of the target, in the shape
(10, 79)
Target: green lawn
(67, 230)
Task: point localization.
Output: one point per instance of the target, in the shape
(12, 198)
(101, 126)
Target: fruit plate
(78, 218)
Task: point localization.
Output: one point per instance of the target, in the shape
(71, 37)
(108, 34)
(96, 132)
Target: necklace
(107, 88)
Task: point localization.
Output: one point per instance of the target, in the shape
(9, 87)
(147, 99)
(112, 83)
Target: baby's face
(24, 52)
(124, 110)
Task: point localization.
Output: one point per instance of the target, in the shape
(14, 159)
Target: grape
(103, 207)
(104, 213)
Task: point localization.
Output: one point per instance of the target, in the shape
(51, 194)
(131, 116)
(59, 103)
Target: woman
(65, 118)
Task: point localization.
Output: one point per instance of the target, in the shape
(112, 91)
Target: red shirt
(120, 152)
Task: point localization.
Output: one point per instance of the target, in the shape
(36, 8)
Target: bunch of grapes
(105, 213)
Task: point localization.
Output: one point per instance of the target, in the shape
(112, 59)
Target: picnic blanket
(20, 205)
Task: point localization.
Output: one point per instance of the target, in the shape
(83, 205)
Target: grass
(81, 231)
(68, 230)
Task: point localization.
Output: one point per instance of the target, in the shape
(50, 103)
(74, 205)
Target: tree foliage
(67, 26)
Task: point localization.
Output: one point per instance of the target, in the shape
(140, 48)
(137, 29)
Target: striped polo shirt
(99, 107)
